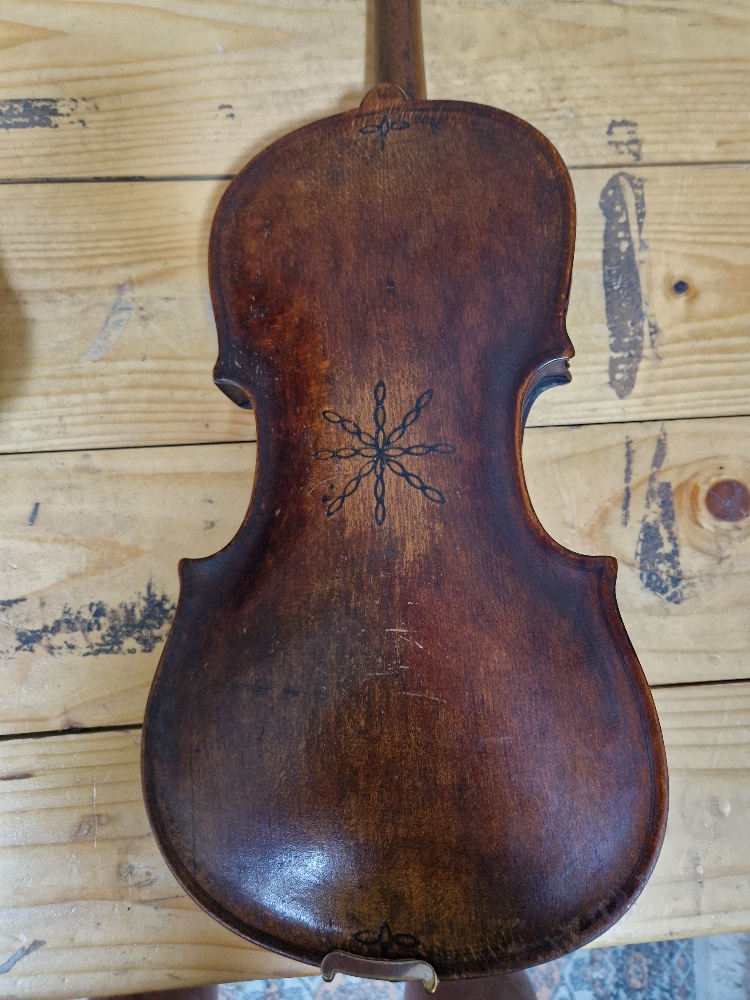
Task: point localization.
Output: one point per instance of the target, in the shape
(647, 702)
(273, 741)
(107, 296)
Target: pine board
(110, 340)
(80, 872)
(89, 587)
(639, 492)
(97, 572)
(188, 87)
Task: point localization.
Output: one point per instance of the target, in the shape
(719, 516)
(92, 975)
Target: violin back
(393, 716)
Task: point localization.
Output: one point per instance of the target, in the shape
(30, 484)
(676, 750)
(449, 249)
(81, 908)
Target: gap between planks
(138, 726)
(253, 440)
(168, 178)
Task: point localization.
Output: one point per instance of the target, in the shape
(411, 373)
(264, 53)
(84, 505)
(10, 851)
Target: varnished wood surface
(108, 339)
(407, 263)
(187, 89)
(111, 527)
(398, 49)
(81, 872)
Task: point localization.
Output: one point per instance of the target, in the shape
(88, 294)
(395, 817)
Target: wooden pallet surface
(91, 585)
(188, 88)
(110, 340)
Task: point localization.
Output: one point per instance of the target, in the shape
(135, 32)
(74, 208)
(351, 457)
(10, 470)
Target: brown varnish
(393, 716)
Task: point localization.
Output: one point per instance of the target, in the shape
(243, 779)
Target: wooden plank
(89, 587)
(95, 576)
(678, 344)
(177, 88)
(80, 872)
(640, 492)
(110, 340)
(701, 884)
(105, 296)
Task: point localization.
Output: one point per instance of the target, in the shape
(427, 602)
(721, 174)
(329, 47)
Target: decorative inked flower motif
(384, 126)
(387, 940)
(381, 452)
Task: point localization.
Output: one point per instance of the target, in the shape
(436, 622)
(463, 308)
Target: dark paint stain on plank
(628, 480)
(33, 515)
(11, 602)
(18, 776)
(623, 254)
(624, 138)
(44, 112)
(21, 953)
(658, 550)
(137, 626)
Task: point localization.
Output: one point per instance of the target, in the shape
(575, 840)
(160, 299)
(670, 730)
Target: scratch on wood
(113, 325)
(21, 953)
(136, 876)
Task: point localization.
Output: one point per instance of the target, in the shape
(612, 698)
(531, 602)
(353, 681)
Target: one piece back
(393, 716)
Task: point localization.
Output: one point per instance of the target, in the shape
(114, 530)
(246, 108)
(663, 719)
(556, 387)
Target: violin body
(393, 716)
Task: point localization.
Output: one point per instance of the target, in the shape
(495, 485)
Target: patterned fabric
(342, 988)
(712, 968)
(660, 971)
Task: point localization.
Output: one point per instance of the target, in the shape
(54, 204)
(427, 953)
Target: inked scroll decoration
(387, 941)
(381, 452)
(384, 127)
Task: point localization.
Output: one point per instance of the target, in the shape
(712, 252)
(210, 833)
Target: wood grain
(107, 339)
(108, 334)
(701, 884)
(111, 524)
(80, 871)
(95, 576)
(639, 491)
(187, 89)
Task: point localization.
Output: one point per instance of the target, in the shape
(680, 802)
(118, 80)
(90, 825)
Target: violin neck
(398, 46)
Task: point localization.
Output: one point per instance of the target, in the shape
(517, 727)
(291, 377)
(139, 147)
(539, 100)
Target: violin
(395, 721)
